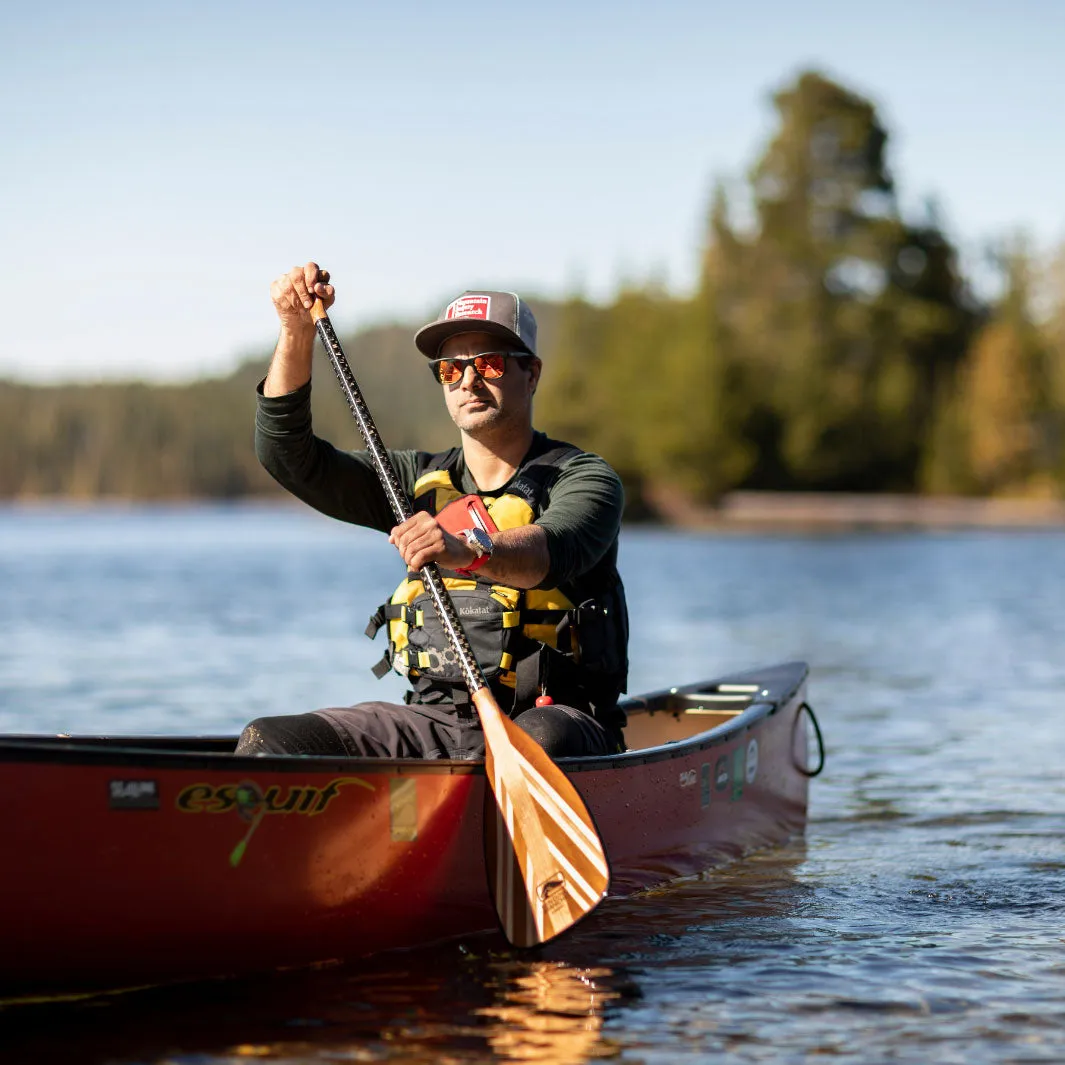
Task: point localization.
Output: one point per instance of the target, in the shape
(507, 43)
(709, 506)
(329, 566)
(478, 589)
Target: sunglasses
(491, 365)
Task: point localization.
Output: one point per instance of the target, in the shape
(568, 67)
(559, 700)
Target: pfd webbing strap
(387, 612)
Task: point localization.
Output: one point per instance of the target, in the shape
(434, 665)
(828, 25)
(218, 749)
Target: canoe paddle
(546, 865)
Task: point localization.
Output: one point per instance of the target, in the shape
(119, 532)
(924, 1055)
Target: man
(530, 563)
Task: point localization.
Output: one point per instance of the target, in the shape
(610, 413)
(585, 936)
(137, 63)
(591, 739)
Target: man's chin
(483, 418)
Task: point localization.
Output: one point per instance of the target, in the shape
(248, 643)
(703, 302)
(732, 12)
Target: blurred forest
(831, 345)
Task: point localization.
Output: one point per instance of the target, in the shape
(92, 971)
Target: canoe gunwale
(777, 686)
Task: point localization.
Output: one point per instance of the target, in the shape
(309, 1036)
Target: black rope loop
(820, 743)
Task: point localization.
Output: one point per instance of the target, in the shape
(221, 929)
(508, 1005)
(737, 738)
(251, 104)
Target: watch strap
(482, 557)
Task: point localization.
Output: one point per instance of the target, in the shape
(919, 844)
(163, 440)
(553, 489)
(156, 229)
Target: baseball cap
(503, 314)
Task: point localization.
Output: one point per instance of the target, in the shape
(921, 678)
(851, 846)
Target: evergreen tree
(1055, 343)
(725, 441)
(844, 316)
(1003, 408)
(566, 399)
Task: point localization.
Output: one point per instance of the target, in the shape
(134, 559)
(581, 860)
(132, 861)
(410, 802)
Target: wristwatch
(481, 542)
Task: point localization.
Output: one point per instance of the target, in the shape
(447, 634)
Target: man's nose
(470, 377)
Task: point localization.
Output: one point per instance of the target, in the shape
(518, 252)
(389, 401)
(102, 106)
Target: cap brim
(429, 338)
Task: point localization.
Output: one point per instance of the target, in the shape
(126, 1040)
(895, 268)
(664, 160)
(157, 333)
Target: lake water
(920, 920)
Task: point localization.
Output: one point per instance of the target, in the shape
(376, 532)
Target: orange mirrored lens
(491, 365)
(449, 371)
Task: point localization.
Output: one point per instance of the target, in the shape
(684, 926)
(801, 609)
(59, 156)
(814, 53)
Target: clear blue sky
(161, 163)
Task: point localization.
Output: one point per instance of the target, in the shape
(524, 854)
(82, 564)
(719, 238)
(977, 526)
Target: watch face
(479, 539)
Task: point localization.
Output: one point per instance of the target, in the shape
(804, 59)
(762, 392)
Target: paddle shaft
(397, 499)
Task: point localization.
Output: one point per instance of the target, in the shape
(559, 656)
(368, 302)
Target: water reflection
(551, 1012)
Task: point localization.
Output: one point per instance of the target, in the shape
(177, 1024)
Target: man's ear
(535, 366)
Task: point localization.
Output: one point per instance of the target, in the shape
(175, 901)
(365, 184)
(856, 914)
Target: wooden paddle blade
(541, 886)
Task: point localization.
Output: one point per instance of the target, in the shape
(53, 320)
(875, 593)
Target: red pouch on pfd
(469, 512)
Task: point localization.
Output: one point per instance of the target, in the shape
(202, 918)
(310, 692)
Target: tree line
(831, 344)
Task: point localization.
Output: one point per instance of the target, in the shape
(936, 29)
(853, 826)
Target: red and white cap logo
(469, 307)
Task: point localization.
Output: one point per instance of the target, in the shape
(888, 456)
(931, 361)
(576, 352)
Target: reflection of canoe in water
(136, 860)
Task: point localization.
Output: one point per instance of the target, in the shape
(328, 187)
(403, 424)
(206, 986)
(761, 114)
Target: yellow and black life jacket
(570, 640)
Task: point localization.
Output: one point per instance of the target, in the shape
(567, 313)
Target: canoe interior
(680, 716)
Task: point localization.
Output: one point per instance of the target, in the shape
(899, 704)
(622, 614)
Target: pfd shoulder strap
(434, 480)
(442, 460)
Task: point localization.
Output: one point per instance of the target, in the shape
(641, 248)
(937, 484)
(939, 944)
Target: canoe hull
(146, 864)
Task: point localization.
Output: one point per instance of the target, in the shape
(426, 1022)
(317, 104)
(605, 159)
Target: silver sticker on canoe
(403, 808)
(133, 795)
(721, 777)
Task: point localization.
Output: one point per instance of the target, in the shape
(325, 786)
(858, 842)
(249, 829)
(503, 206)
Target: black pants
(391, 730)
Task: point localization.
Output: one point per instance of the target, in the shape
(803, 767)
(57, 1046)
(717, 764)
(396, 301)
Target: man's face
(476, 404)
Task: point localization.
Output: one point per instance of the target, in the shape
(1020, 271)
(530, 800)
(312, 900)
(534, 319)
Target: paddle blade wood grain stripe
(538, 900)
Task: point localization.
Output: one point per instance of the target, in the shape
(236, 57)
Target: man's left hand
(421, 539)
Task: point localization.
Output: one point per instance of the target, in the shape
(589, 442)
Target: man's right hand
(293, 295)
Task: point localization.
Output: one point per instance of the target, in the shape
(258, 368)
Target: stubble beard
(478, 423)
(492, 421)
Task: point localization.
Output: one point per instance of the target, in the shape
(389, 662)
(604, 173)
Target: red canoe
(134, 860)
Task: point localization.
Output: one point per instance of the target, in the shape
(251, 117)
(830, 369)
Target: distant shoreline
(736, 512)
(838, 510)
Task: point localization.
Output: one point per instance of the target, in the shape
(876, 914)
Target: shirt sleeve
(341, 484)
(582, 518)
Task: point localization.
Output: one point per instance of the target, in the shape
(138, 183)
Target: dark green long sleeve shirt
(582, 516)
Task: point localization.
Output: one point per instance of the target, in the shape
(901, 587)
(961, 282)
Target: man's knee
(565, 732)
(307, 734)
